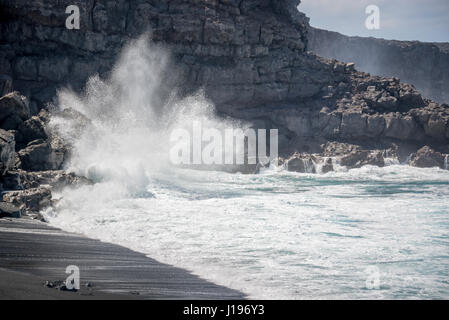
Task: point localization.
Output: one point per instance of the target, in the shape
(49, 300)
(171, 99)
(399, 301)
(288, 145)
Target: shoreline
(32, 252)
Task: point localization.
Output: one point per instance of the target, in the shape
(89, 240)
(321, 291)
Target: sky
(423, 20)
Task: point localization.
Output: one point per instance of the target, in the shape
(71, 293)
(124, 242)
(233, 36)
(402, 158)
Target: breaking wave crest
(273, 235)
(130, 117)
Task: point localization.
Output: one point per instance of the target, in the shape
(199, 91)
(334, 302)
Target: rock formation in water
(250, 57)
(424, 65)
(31, 158)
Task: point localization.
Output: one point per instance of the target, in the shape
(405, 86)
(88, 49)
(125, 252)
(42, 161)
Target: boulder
(375, 125)
(7, 151)
(9, 210)
(414, 62)
(354, 159)
(334, 148)
(5, 84)
(59, 152)
(376, 159)
(32, 200)
(426, 157)
(13, 105)
(359, 158)
(30, 130)
(53, 178)
(436, 126)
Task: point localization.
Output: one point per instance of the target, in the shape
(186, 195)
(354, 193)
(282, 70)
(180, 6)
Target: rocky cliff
(231, 46)
(424, 65)
(244, 53)
(250, 57)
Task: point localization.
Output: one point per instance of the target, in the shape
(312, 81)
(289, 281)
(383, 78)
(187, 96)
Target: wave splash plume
(273, 235)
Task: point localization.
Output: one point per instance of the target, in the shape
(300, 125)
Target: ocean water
(284, 235)
(380, 233)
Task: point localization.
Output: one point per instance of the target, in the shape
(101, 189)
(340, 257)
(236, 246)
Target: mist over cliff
(424, 65)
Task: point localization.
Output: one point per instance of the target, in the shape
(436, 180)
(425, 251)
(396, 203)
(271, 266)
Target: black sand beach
(33, 252)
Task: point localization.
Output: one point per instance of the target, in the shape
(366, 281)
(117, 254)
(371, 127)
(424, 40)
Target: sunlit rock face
(424, 65)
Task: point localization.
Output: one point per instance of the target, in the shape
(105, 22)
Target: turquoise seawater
(363, 233)
(369, 233)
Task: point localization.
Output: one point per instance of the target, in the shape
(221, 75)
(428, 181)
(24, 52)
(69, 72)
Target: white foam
(274, 235)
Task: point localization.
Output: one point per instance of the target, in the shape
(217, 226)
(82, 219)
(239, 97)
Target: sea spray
(131, 115)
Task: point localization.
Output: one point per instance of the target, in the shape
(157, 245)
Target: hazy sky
(424, 20)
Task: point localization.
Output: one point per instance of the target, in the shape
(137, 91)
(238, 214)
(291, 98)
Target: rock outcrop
(301, 163)
(7, 151)
(428, 158)
(9, 210)
(343, 156)
(424, 65)
(32, 200)
(31, 159)
(251, 59)
(249, 56)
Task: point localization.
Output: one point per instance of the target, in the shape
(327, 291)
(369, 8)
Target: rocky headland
(422, 64)
(250, 57)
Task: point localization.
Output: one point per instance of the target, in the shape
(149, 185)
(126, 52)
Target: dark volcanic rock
(31, 129)
(249, 56)
(7, 151)
(56, 179)
(11, 180)
(32, 200)
(246, 48)
(38, 148)
(360, 158)
(328, 166)
(5, 84)
(423, 64)
(9, 210)
(301, 163)
(251, 59)
(333, 148)
(42, 155)
(14, 110)
(35, 156)
(427, 158)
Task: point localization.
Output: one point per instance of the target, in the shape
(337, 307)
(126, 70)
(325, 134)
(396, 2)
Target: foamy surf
(281, 234)
(276, 234)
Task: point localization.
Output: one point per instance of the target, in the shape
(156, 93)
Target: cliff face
(251, 59)
(241, 50)
(424, 65)
(250, 56)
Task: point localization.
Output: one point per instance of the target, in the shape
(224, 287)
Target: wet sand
(32, 252)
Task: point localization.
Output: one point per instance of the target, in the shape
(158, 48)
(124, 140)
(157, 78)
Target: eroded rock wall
(425, 65)
(240, 50)
(250, 57)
